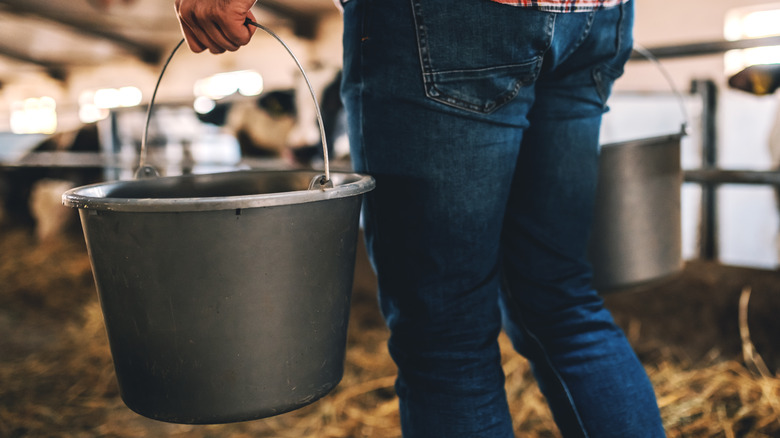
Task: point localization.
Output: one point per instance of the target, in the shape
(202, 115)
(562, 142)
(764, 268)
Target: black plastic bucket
(225, 296)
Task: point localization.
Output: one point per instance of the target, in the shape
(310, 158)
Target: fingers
(208, 34)
(245, 31)
(192, 41)
(215, 25)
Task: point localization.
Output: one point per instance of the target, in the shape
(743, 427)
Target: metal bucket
(637, 237)
(225, 296)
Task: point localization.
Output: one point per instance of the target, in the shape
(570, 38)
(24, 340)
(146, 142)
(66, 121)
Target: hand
(216, 25)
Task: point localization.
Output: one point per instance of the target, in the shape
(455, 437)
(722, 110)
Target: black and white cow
(283, 123)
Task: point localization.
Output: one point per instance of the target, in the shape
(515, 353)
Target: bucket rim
(95, 196)
(657, 139)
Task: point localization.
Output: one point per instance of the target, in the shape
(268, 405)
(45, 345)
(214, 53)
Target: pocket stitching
(602, 87)
(436, 94)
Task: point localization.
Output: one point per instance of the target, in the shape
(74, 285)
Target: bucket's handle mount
(319, 182)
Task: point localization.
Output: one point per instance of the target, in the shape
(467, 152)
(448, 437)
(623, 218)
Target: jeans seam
(621, 26)
(361, 86)
(555, 372)
(606, 69)
(583, 37)
(422, 50)
(515, 308)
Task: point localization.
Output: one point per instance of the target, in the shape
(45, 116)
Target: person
(479, 120)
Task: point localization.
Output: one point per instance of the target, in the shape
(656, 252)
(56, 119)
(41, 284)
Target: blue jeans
(480, 123)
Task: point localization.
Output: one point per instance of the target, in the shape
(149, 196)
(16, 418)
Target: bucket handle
(319, 182)
(647, 54)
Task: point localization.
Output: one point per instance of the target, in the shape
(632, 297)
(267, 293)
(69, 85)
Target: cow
(282, 123)
(764, 79)
(31, 195)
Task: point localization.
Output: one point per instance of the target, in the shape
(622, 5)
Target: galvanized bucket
(225, 296)
(637, 236)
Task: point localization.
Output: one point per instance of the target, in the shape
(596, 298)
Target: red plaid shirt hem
(563, 5)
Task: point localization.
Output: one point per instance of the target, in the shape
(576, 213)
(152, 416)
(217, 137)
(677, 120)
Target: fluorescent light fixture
(35, 115)
(203, 105)
(220, 85)
(91, 113)
(130, 96)
(751, 22)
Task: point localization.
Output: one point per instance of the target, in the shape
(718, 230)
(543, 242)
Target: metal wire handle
(668, 77)
(145, 170)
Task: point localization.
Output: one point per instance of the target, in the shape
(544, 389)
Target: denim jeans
(480, 123)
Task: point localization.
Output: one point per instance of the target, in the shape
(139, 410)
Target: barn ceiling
(56, 35)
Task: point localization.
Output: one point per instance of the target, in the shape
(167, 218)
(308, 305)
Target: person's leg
(585, 367)
(430, 118)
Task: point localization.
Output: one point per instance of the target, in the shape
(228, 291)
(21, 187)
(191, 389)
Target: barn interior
(76, 80)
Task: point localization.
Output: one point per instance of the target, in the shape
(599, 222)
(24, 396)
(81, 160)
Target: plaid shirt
(563, 5)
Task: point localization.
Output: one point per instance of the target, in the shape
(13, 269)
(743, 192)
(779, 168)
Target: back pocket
(476, 55)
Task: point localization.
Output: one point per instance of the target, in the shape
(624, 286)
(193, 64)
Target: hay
(723, 399)
(753, 360)
(727, 398)
(57, 379)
